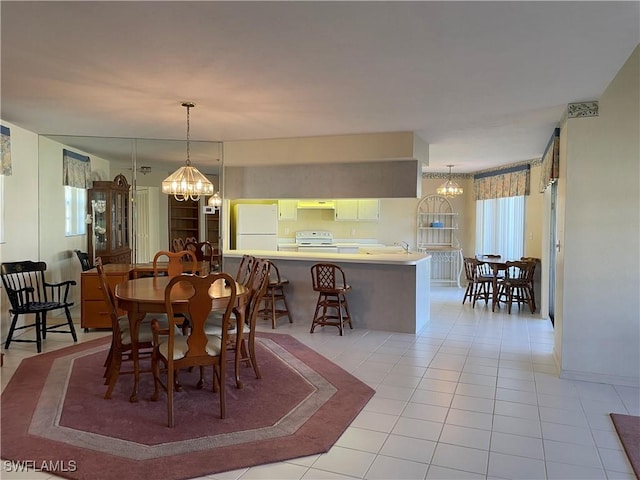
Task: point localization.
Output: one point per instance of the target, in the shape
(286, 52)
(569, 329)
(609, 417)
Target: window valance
(506, 182)
(550, 162)
(76, 170)
(5, 151)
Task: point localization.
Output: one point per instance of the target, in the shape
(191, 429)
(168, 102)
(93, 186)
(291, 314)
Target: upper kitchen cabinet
(361, 210)
(288, 210)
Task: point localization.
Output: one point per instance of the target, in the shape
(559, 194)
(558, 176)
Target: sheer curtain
(500, 227)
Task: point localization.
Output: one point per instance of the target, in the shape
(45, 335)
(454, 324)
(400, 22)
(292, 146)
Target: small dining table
(140, 296)
(497, 265)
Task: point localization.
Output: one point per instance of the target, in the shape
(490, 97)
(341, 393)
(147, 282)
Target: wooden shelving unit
(437, 225)
(183, 219)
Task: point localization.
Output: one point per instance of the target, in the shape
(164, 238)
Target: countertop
(393, 257)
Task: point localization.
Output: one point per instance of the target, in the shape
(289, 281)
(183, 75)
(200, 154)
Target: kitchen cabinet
(368, 210)
(437, 225)
(288, 210)
(93, 310)
(108, 206)
(361, 210)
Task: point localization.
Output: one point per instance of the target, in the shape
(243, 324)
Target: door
(553, 241)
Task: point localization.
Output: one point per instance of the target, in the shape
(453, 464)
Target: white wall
(21, 208)
(599, 199)
(34, 212)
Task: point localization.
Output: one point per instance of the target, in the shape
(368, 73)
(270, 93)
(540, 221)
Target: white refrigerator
(256, 227)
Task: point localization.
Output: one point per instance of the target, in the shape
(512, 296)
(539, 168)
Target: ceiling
(484, 83)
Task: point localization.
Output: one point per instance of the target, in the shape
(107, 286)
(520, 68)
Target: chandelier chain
(188, 136)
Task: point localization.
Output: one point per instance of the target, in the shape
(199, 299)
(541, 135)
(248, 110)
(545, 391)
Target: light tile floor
(474, 395)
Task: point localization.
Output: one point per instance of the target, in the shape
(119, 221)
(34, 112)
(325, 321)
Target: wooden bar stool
(330, 283)
(274, 294)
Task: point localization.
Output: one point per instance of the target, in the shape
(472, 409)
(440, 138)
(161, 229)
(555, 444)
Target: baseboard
(600, 378)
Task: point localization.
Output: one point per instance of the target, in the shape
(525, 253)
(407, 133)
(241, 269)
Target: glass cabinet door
(99, 210)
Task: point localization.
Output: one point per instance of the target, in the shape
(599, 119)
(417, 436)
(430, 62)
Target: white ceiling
(484, 83)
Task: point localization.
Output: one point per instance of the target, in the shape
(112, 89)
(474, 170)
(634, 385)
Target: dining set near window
(497, 281)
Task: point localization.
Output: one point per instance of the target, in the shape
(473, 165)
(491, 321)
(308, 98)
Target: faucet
(404, 245)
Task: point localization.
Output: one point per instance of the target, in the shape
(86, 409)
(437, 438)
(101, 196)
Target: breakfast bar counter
(390, 289)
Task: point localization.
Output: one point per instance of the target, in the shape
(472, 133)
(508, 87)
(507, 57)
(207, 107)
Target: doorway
(553, 241)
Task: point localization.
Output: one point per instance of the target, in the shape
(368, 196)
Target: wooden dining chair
(177, 244)
(197, 349)
(257, 290)
(532, 289)
(203, 251)
(245, 269)
(177, 265)
(121, 345)
(479, 281)
(85, 262)
(515, 287)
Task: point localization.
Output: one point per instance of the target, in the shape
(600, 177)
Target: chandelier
(215, 201)
(449, 188)
(187, 182)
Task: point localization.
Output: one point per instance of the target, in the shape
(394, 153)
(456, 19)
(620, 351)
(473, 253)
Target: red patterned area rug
(628, 428)
(54, 416)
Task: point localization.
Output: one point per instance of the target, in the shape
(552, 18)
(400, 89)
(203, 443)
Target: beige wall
(599, 234)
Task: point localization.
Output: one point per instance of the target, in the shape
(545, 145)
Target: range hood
(316, 205)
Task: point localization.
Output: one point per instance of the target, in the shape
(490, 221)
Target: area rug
(628, 428)
(54, 417)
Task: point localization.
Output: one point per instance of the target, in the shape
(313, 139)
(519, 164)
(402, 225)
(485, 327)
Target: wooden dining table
(140, 296)
(497, 265)
(140, 270)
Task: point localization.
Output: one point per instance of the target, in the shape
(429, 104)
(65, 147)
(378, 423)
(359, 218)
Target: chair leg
(468, 292)
(286, 305)
(223, 396)
(11, 329)
(252, 355)
(38, 332)
(70, 322)
(315, 315)
(346, 309)
(272, 301)
(43, 326)
(112, 376)
(200, 383)
(170, 389)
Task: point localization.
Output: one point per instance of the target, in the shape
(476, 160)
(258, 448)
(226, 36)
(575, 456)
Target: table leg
(135, 318)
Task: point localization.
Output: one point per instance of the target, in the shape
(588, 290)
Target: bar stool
(330, 283)
(274, 294)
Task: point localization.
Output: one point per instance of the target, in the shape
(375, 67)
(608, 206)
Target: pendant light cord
(188, 105)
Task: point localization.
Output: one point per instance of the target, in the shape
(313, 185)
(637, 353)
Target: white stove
(319, 241)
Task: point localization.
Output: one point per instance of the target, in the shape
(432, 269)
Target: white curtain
(500, 227)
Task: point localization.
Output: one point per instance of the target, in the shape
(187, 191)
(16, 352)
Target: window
(500, 227)
(75, 206)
